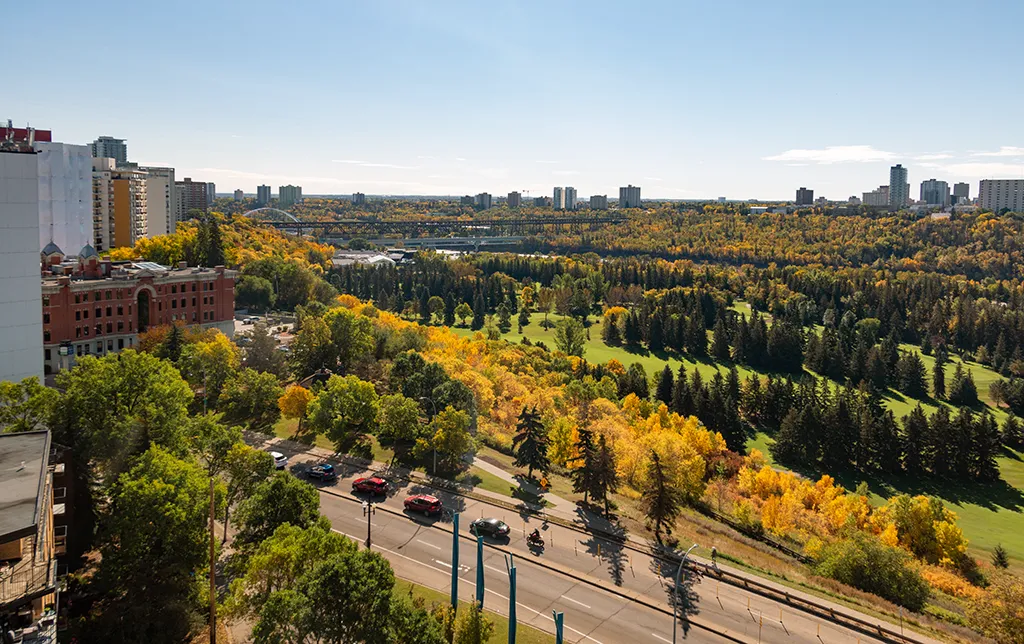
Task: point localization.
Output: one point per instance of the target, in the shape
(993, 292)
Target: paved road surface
(420, 550)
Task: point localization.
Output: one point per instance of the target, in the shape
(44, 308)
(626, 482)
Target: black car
(490, 528)
(325, 472)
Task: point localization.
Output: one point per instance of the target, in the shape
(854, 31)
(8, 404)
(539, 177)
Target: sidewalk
(558, 506)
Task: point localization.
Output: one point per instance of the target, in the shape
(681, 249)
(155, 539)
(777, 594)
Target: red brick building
(94, 306)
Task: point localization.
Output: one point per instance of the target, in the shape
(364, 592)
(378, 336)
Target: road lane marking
(443, 563)
(429, 544)
(574, 601)
(495, 569)
(661, 638)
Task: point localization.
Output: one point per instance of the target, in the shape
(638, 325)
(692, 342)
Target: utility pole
(675, 606)
(213, 575)
(368, 510)
(510, 565)
(480, 570)
(455, 561)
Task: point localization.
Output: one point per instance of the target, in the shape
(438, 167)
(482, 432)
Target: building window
(120, 343)
(60, 493)
(110, 327)
(129, 309)
(99, 329)
(110, 311)
(109, 293)
(193, 316)
(78, 331)
(120, 326)
(78, 315)
(99, 347)
(96, 296)
(182, 302)
(46, 300)
(85, 314)
(120, 310)
(174, 288)
(193, 287)
(86, 349)
(99, 313)
(46, 318)
(78, 298)
(46, 354)
(160, 306)
(85, 331)
(110, 345)
(193, 301)
(46, 338)
(174, 304)
(211, 300)
(78, 350)
(120, 293)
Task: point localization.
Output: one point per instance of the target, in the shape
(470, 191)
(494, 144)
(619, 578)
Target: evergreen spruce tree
(583, 472)
(661, 501)
(682, 399)
(741, 343)
(732, 384)
(939, 380)
(666, 382)
(215, 248)
(986, 448)
(656, 334)
(914, 441)
(610, 332)
(910, 375)
(172, 345)
(1000, 558)
(531, 442)
(788, 446)
(963, 390)
(449, 309)
(720, 342)
(424, 301)
(479, 311)
(876, 371)
(606, 477)
(1011, 434)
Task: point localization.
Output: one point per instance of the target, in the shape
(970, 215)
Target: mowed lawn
(989, 514)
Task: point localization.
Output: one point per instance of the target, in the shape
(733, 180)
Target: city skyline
(382, 114)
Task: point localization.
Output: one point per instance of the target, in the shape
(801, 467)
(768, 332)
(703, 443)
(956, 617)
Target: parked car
(280, 460)
(325, 472)
(370, 484)
(490, 528)
(424, 503)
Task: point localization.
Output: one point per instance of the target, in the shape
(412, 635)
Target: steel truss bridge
(349, 228)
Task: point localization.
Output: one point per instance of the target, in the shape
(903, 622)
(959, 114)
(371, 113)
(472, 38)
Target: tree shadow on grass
(685, 601)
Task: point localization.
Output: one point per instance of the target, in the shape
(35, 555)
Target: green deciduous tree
(262, 352)
(254, 293)
(448, 433)
(398, 418)
(531, 442)
(570, 337)
(208, 364)
(245, 468)
(864, 562)
(250, 399)
(278, 500)
(26, 406)
(352, 336)
(463, 311)
(344, 410)
(312, 349)
(473, 626)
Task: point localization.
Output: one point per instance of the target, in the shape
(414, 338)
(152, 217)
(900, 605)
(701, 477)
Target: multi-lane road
(608, 593)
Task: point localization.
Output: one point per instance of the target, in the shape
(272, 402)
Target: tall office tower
(161, 201)
(558, 200)
(190, 195)
(599, 202)
(899, 189)
(211, 193)
(482, 201)
(239, 195)
(358, 199)
(65, 195)
(514, 200)
(629, 197)
(21, 318)
(961, 193)
(804, 197)
(289, 195)
(262, 195)
(570, 198)
(996, 194)
(107, 147)
(935, 193)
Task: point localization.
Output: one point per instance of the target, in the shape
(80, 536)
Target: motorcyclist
(535, 535)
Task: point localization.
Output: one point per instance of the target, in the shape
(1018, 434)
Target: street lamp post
(675, 607)
(368, 510)
(433, 407)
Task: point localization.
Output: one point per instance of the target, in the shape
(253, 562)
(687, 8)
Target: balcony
(34, 575)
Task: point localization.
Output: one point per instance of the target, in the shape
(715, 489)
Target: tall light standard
(455, 562)
(433, 407)
(675, 608)
(368, 510)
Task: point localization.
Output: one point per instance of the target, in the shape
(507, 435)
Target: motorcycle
(535, 542)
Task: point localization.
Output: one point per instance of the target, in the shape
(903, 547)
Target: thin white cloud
(1004, 151)
(352, 161)
(834, 154)
(797, 165)
(460, 158)
(992, 170)
(653, 179)
(933, 157)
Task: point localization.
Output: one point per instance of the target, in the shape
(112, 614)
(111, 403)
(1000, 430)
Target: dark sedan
(325, 472)
(490, 528)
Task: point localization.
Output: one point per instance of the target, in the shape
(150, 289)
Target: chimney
(182, 265)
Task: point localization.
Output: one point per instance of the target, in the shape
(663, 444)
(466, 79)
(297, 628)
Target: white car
(280, 460)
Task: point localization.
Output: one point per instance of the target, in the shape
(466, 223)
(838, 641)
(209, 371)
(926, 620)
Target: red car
(371, 484)
(423, 503)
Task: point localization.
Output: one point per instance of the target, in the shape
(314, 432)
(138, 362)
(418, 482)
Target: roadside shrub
(864, 562)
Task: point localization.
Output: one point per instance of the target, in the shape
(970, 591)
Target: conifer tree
(666, 382)
(531, 442)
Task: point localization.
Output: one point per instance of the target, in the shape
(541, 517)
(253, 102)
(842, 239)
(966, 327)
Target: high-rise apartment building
(558, 199)
(599, 202)
(211, 193)
(262, 195)
(358, 199)
(878, 198)
(289, 195)
(161, 201)
(514, 200)
(629, 197)
(131, 219)
(482, 201)
(239, 195)
(996, 194)
(21, 320)
(191, 195)
(935, 193)
(570, 198)
(899, 189)
(541, 202)
(107, 147)
(804, 197)
(961, 193)
(65, 195)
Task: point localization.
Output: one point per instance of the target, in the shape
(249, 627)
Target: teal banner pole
(559, 617)
(512, 604)
(480, 570)
(455, 561)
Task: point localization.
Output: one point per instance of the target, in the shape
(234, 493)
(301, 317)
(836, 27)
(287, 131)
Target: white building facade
(161, 201)
(996, 194)
(899, 189)
(629, 197)
(21, 317)
(570, 198)
(65, 195)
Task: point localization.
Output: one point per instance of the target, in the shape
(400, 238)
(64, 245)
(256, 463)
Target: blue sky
(686, 99)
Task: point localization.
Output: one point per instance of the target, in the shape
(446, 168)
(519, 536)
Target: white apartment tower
(899, 189)
(161, 201)
(211, 192)
(262, 195)
(629, 197)
(599, 202)
(996, 194)
(289, 196)
(558, 200)
(110, 148)
(190, 195)
(935, 192)
(21, 316)
(65, 195)
(570, 198)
